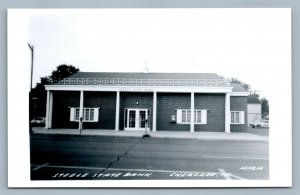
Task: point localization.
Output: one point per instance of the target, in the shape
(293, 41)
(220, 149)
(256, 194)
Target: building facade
(189, 102)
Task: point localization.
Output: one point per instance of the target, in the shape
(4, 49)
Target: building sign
(129, 89)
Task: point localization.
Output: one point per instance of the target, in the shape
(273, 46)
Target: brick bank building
(189, 102)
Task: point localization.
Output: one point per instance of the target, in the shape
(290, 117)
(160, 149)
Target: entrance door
(135, 119)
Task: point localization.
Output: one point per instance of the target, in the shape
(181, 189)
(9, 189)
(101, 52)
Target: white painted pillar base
(192, 112)
(81, 110)
(117, 111)
(227, 113)
(154, 111)
(47, 110)
(50, 109)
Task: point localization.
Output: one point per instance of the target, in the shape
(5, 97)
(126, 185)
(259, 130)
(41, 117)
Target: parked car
(260, 124)
(39, 121)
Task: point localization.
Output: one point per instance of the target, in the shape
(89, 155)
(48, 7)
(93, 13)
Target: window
(89, 114)
(76, 114)
(184, 116)
(237, 117)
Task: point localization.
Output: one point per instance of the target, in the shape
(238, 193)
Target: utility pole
(30, 92)
(32, 51)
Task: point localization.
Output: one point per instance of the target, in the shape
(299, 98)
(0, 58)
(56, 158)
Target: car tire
(253, 126)
(258, 126)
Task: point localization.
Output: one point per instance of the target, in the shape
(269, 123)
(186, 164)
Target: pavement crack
(120, 156)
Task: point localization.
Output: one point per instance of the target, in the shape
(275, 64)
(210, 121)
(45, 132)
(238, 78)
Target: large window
(89, 114)
(184, 116)
(237, 117)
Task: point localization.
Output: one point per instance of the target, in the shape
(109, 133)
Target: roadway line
(229, 176)
(226, 175)
(121, 169)
(70, 167)
(40, 166)
(232, 157)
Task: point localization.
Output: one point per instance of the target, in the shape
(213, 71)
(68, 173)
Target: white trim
(154, 111)
(203, 117)
(179, 116)
(227, 113)
(50, 110)
(192, 112)
(117, 111)
(178, 89)
(137, 119)
(47, 110)
(72, 114)
(96, 115)
(239, 93)
(80, 110)
(241, 117)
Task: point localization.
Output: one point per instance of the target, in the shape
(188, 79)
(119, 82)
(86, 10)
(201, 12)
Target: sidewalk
(157, 134)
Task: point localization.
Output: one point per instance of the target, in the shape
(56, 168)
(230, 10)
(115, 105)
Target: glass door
(132, 118)
(135, 119)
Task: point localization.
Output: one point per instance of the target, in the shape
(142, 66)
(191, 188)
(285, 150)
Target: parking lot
(258, 131)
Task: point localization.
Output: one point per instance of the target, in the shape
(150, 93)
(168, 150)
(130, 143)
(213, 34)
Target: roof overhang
(176, 89)
(246, 93)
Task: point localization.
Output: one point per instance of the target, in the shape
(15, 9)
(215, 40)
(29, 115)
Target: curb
(155, 136)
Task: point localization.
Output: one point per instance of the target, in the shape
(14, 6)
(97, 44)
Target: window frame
(86, 116)
(237, 121)
(186, 116)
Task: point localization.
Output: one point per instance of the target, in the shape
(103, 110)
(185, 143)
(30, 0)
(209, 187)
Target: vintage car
(260, 124)
(40, 121)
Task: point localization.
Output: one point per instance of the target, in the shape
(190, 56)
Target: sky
(251, 45)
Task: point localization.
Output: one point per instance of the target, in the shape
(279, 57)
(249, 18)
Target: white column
(227, 113)
(154, 110)
(47, 110)
(117, 111)
(50, 110)
(192, 111)
(81, 110)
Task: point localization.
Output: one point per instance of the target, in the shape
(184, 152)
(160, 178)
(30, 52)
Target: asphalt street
(74, 157)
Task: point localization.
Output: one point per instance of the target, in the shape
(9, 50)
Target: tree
(39, 93)
(62, 72)
(253, 98)
(244, 85)
(264, 106)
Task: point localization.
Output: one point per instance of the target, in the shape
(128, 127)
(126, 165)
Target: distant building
(254, 109)
(160, 101)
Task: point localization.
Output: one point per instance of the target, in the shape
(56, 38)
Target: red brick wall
(62, 101)
(215, 103)
(107, 103)
(167, 104)
(239, 103)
